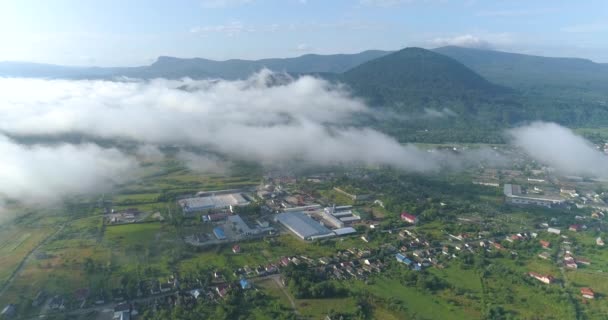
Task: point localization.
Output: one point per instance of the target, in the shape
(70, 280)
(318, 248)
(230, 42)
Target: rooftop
(301, 224)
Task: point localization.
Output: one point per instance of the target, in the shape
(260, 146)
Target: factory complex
(213, 200)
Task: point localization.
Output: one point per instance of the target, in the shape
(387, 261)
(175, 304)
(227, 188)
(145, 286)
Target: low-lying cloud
(44, 173)
(467, 41)
(269, 118)
(560, 148)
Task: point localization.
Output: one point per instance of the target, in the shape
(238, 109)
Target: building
(339, 216)
(513, 195)
(545, 244)
(599, 241)
(403, 259)
(542, 278)
(303, 226)
(236, 222)
(215, 217)
(587, 293)
(554, 231)
(412, 219)
(219, 233)
(213, 200)
(344, 231)
(10, 311)
(236, 248)
(575, 227)
(245, 284)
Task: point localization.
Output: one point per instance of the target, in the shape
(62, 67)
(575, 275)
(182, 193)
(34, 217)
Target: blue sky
(136, 32)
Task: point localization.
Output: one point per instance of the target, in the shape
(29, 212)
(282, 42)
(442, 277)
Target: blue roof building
(219, 233)
(403, 259)
(245, 284)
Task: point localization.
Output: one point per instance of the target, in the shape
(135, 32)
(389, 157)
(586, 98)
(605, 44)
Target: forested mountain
(170, 67)
(412, 81)
(417, 75)
(527, 71)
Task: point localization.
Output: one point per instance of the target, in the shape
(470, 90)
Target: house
(165, 287)
(542, 278)
(236, 248)
(587, 293)
(545, 244)
(498, 246)
(56, 303)
(10, 311)
(583, 261)
(544, 255)
(599, 241)
(554, 230)
(403, 259)
(570, 265)
(222, 290)
(575, 227)
(411, 219)
(196, 293)
(122, 311)
(245, 284)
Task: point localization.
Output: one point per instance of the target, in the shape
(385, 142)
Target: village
(368, 241)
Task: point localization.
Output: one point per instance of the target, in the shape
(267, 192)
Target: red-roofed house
(409, 218)
(575, 227)
(587, 293)
(236, 248)
(545, 244)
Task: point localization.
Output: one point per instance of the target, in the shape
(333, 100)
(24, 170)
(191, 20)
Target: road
(277, 279)
(23, 262)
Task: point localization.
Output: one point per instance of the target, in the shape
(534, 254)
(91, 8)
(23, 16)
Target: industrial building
(513, 195)
(213, 200)
(303, 226)
(339, 216)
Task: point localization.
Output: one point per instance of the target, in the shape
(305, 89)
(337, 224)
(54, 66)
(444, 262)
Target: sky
(136, 32)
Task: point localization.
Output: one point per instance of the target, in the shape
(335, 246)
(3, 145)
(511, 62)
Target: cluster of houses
(353, 263)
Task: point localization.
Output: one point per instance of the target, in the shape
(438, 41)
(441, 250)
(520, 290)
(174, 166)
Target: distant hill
(527, 71)
(39, 70)
(570, 91)
(170, 67)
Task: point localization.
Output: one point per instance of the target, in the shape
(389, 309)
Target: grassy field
(15, 244)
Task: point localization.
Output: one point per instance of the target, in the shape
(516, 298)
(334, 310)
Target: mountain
(416, 75)
(528, 71)
(570, 91)
(170, 67)
(433, 98)
(39, 70)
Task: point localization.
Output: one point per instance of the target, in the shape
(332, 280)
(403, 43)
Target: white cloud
(303, 47)
(560, 148)
(467, 40)
(516, 13)
(45, 173)
(587, 28)
(268, 118)
(203, 163)
(384, 3)
(232, 28)
(214, 4)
